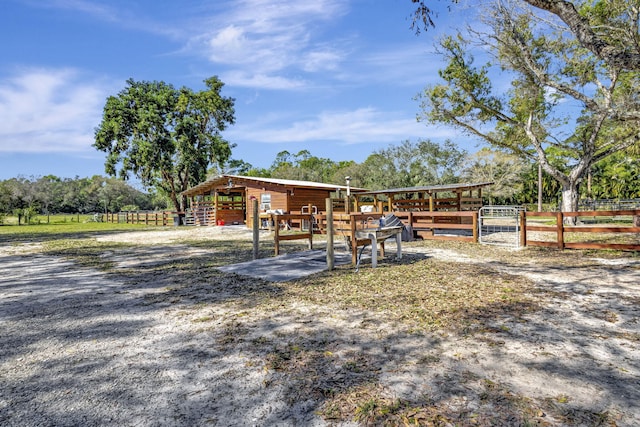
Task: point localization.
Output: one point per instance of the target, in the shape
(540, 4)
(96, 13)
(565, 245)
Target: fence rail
(163, 218)
(283, 228)
(609, 205)
(563, 231)
(460, 225)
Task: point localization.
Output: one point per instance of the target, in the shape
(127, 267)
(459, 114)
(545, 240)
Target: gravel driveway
(84, 347)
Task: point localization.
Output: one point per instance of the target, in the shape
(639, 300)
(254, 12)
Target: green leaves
(563, 99)
(166, 137)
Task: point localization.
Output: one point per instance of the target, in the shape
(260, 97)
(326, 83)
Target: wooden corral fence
(437, 204)
(561, 230)
(148, 218)
(290, 227)
(224, 210)
(425, 224)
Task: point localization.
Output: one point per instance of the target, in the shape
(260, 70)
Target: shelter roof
(428, 189)
(241, 181)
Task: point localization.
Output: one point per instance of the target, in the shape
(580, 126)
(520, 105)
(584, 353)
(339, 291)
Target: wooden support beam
(329, 228)
(560, 227)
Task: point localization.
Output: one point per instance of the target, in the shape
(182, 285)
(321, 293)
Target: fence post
(276, 234)
(329, 228)
(474, 222)
(354, 241)
(523, 228)
(255, 225)
(560, 229)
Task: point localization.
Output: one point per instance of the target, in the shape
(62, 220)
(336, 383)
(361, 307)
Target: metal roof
(223, 179)
(428, 189)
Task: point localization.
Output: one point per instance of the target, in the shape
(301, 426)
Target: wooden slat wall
(279, 199)
(306, 196)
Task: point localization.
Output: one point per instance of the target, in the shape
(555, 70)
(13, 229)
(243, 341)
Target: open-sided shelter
(446, 197)
(225, 198)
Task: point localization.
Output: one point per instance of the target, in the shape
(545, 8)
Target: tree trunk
(539, 187)
(570, 197)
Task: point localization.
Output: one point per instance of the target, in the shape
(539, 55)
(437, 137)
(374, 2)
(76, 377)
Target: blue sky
(334, 77)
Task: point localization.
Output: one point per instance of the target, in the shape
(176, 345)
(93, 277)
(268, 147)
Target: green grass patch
(63, 230)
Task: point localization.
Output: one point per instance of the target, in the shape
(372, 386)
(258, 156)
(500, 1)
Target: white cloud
(266, 38)
(49, 110)
(360, 126)
(321, 60)
(264, 81)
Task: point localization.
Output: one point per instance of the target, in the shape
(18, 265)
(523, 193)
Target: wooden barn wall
(278, 196)
(308, 196)
(231, 216)
(281, 198)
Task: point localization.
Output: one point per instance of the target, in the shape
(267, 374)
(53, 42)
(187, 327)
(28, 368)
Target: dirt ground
(124, 340)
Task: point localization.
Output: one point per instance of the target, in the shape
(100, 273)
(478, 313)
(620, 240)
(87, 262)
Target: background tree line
(423, 163)
(26, 197)
(407, 164)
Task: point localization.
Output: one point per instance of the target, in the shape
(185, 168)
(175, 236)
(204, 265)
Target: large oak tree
(166, 137)
(563, 99)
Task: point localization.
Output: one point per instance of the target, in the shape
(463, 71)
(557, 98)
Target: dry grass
(421, 294)
(417, 295)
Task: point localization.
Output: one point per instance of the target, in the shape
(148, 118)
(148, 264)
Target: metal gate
(500, 225)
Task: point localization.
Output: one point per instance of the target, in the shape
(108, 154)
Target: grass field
(59, 227)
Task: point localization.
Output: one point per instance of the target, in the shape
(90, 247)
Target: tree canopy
(166, 137)
(51, 194)
(563, 101)
(609, 29)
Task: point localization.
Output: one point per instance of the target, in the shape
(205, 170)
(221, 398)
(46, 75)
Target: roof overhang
(428, 189)
(235, 181)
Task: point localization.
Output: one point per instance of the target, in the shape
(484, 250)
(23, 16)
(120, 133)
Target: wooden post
(255, 226)
(390, 203)
(329, 228)
(354, 241)
(523, 228)
(347, 205)
(276, 233)
(215, 208)
(410, 225)
(474, 222)
(560, 229)
(430, 202)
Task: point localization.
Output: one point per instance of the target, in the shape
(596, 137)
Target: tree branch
(614, 56)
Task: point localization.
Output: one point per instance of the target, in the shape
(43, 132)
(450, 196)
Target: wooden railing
(163, 218)
(425, 204)
(561, 230)
(284, 228)
(426, 224)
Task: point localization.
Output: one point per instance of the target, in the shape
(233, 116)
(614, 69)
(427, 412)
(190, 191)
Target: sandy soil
(80, 346)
